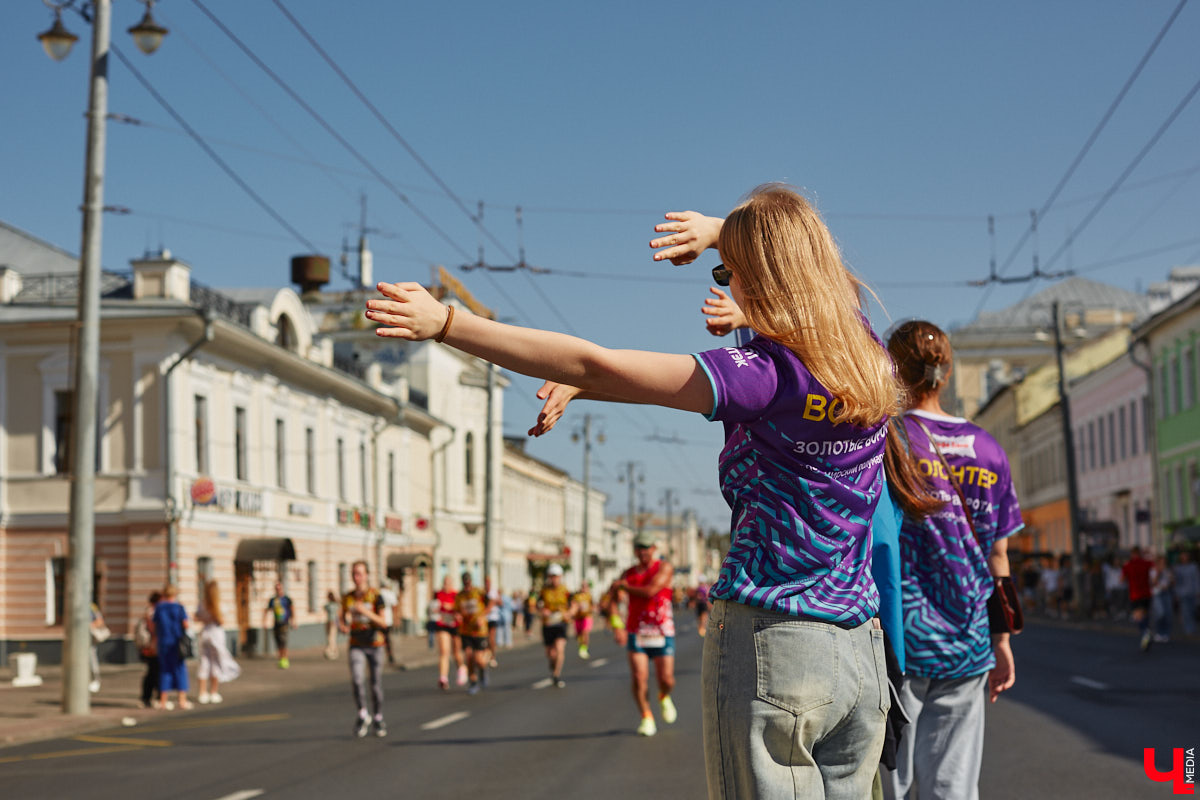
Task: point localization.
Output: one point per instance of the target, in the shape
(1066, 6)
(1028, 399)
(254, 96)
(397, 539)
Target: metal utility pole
(669, 498)
(587, 488)
(81, 537)
(488, 481)
(632, 478)
(1069, 445)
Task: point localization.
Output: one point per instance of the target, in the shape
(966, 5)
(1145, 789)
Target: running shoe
(1147, 640)
(204, 698)
(284, 663)
(380, 728)
(361, 726)
(443, 683)
(669, 714)
(647, 727)
(461, 678)
(483, 678)
(559, 683)
(583, 652)
(473, 688)
(215, 698)
(94, 687)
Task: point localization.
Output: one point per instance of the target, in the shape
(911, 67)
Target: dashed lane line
(544, 683)
(122, 740)
(1089, 683)
(442, 722)
(599, 662)
(244, 794)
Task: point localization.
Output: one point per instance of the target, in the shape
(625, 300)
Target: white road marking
(544, 683)
(1088, 682)
(442, 722)
(599, 662)
(244, 794)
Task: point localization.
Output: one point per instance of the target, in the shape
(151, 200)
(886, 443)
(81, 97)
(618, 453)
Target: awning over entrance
(397, 561)
(265, 550)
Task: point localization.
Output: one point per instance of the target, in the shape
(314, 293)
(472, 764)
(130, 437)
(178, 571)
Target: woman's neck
(930, 403)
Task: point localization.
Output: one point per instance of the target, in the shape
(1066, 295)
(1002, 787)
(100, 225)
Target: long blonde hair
(212, 601)
(796, 290)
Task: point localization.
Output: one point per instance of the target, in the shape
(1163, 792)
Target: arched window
(285, 333)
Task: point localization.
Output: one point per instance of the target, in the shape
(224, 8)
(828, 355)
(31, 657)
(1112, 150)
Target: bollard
(26, 667)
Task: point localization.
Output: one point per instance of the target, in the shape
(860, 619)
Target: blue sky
(907, 123)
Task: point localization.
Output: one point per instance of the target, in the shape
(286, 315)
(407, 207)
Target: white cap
(554, 569)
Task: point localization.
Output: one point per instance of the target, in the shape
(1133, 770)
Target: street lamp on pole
(57, 42)
(586, 435)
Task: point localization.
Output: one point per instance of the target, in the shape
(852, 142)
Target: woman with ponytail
(950, 561)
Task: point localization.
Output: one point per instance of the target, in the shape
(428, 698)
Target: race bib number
(555, 618)
(650, 641)
(471, 607)
(447, 620)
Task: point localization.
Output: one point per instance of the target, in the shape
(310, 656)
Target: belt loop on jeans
(876, 624)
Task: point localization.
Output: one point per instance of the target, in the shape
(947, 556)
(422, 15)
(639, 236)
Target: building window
(1080, 450)
(341, 468)
(1133, 428)
(310, 461)
(313, 590)
(1091, 444)
(1163, 392)
(1180, 494)
(1121, 432)
(1101, 448)
(1186, 386)
(56, 588)
(469, 459)
(204, 571)
(200, 430)
(280, 454)
(1112, 437)
(63, 402)
(343, 578)
(239, 442)
(362, 471)
(391, 478)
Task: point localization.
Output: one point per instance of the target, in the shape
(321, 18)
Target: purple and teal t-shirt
(945, 580)
(802, 489)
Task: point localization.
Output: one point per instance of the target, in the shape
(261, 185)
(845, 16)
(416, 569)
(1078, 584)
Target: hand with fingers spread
(409, 313)
(556, 395)
(726, 315)
(690, 235)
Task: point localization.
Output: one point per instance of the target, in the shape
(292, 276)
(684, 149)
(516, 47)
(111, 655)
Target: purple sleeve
(1008, 511)
(744, 381)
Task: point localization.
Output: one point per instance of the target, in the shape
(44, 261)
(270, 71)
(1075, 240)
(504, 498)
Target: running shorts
(583, 625)
(281, 636)
(552, 633)
(474, 642)
(668, 648)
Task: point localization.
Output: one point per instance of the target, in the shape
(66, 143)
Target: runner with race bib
(650, 629)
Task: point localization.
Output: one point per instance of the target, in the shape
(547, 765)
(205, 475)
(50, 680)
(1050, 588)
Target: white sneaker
(669, 714)
(215, 698)
(94, 687)
(647, 727)
(204, 698)
(169, 705)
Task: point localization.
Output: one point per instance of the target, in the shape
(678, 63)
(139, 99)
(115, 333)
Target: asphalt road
(1085, 705)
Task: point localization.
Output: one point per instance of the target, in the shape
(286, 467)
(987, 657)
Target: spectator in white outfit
(217, 665)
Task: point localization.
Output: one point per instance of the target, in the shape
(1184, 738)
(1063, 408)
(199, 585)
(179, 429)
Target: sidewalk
(35, 713)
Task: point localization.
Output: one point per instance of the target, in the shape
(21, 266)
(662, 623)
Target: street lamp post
(1064, 404)
(81, 531)
(587, 484)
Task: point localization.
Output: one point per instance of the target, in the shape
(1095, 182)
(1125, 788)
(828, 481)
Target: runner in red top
(1136, 575)
(445, 625)
(651, 629)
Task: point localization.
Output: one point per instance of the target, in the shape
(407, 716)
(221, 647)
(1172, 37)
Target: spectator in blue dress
(170, 626)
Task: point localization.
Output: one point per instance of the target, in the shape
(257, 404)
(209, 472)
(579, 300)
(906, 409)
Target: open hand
(1004, 674)
(409, 313)
(725, 315)
(691, 234)
(556, 395)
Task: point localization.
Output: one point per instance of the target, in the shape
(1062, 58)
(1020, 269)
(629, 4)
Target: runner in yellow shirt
(471, 604)
(556, 607)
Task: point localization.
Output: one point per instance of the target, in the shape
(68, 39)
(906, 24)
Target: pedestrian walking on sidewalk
(170, 626)
(1187, 588)
(281, 616)
(1162, 582)
(363, 620)
(147, 645)
(1136, 576)
(217, 664)
(950, 564)
(333, 610)
(805, 406)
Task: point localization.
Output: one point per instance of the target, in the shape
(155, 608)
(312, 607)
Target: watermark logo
(1183, 769)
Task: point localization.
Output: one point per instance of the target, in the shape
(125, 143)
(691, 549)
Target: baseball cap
(554, 569)
(644, 539)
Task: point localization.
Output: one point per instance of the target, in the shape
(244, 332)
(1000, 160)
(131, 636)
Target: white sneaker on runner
(647, 727)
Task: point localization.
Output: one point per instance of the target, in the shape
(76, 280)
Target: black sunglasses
(721, 274)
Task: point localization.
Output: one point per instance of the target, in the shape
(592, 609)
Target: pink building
(1113, 458)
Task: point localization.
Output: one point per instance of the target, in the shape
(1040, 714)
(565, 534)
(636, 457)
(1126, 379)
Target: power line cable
(1086, 147)
(330, 129)
(228, 170)
(386, 124)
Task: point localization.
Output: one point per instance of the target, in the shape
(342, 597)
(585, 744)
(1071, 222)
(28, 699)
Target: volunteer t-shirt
(802, 489)
(945, 580)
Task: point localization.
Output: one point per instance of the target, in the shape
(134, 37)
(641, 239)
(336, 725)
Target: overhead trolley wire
(1137, 70)
(330, 129)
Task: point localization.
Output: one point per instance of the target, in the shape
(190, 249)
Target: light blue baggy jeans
(792, 708)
